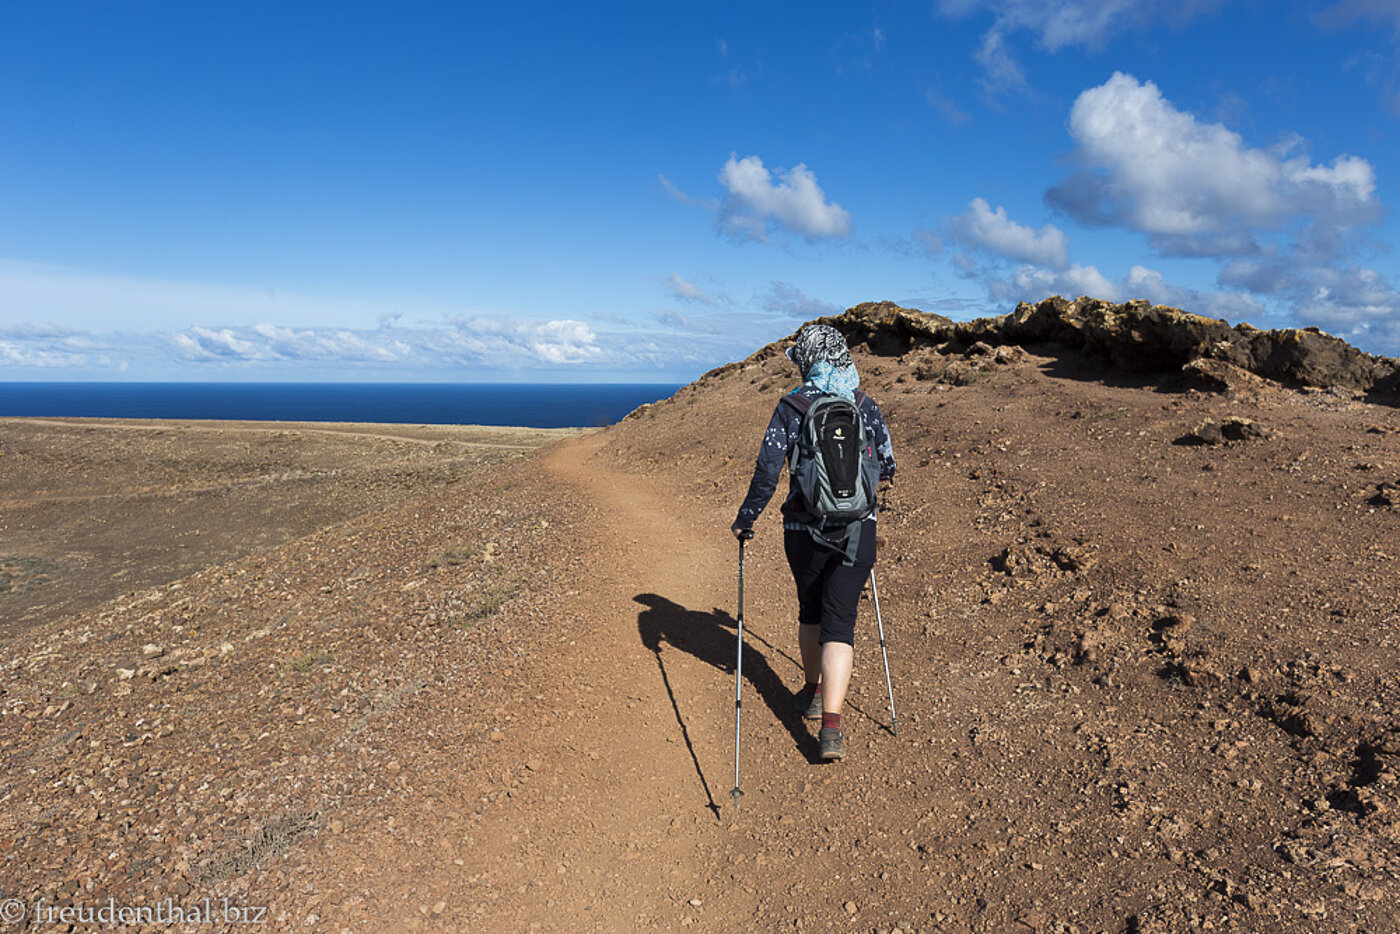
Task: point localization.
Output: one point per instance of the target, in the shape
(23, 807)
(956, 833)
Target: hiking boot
(809, 705)
(833, 745)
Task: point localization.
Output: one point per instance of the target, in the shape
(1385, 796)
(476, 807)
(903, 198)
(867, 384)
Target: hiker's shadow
(710, 637)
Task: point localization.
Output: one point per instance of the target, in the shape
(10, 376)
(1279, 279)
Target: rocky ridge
(1137, 337)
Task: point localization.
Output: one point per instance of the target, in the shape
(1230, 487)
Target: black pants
(828, 590)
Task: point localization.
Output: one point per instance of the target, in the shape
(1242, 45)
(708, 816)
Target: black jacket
(783, 431)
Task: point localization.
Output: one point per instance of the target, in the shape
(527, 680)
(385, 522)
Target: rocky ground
(94, 508)
(1143, 641)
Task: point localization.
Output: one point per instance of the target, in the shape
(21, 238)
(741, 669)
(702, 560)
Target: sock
(831, 721)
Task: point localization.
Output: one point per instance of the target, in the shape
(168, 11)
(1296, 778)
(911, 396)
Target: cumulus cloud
(1149, 284)
(510, 343)
(795, 202)
(981, 227)
(1059, 24)
(1286, 229)
(32, 353)
(1349, 300)
(992, 240)
(1032, 283)
(1197, 187)
(789, 300)
(51, 346)
(269, 342)
(1352, 302)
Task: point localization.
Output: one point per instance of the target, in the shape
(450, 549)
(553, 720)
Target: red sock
(831, 721)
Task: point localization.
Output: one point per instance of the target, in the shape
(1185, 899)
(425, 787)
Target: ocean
(529, 405)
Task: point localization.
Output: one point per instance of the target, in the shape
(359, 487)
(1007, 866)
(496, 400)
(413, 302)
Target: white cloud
(563, 342)
(1351, 301)
(1149, 284)
(511, 344)
(796, 203)
(497, 342)
(1158, 170)
(1287, 229)
(483, 346)
(26, 354)
(49, 346)
(269, 342)
(1059, 24)
(1348, 300)
(1266, 277)
(200, 343)
(981, 227)
(1032, 283)
(1003, 73)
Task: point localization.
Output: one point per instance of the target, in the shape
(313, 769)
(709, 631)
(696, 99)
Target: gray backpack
(834, 467)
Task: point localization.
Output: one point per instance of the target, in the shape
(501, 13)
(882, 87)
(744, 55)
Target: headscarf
(820, 352)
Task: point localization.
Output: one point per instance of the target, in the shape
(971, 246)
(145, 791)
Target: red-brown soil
(1142, 685)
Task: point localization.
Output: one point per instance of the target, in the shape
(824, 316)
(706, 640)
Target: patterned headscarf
(820, 352)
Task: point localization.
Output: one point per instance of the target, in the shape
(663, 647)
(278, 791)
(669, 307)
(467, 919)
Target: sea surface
(529, 405)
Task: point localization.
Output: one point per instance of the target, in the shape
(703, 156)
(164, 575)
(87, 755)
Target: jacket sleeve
(767, 468)
(884, 450)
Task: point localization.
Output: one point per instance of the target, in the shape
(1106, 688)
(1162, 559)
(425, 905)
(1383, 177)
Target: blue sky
(639, 192)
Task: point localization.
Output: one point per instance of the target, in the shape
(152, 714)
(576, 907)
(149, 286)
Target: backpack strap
(802, 403)
(798, 401)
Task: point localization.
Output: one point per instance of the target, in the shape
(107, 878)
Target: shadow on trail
(710, 638)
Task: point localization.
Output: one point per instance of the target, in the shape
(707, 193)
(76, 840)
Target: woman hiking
(829, 565)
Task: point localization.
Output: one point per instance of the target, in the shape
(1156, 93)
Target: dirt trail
(601, 809)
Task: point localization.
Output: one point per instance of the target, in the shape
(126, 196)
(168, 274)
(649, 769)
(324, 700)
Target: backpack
(834, 468)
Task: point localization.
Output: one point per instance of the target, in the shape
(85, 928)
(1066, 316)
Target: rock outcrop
(1135, 336)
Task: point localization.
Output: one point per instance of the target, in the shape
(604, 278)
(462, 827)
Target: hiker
(829, 565)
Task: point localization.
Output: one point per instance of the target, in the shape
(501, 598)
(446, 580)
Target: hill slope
(1144, 673)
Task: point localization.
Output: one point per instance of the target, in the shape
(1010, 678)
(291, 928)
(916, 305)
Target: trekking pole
(889, 685)
(744, 536)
